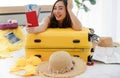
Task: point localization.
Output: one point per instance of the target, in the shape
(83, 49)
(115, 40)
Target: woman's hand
(31, 29)
(69, 4)
(41, 28)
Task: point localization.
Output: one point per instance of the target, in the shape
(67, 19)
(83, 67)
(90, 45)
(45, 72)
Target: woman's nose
(57, 11)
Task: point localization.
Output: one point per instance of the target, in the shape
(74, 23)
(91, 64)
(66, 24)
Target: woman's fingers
(29, 29)
(28, 24)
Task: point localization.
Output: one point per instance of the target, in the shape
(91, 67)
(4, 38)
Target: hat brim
(79, 68)
(116, 44)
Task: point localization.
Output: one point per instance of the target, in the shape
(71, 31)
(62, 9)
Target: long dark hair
(66, 22)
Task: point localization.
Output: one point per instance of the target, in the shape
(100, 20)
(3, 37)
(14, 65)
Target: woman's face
(59, 11)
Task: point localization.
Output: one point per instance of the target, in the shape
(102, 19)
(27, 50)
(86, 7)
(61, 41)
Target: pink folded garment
(4, 26)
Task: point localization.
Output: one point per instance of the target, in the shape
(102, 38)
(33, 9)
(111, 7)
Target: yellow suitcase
(43, 44)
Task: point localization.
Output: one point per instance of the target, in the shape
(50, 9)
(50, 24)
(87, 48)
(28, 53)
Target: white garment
(107, 54)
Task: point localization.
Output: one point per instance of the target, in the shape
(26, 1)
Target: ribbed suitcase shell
(55, 39)
(45, 53)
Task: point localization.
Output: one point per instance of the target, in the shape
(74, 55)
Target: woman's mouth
(58, 16)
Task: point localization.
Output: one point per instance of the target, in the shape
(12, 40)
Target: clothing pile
(11, 38)
(107, 51)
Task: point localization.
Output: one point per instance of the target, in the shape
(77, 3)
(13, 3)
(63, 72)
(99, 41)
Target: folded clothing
(107, 54)
(11, 24)
(4, 26)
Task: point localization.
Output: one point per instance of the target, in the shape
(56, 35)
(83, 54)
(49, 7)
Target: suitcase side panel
(45, 53)
(59, 38)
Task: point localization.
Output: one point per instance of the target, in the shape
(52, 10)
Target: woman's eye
(60, 8)
(55, 8)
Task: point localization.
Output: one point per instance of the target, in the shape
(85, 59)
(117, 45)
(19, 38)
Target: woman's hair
(66, 21)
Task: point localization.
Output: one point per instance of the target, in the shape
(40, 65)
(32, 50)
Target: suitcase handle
(38, 55)
(76, 41)
(37, 40)
(76, 56)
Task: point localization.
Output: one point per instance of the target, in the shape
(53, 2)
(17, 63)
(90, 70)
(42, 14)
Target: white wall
(21, 18)
(118, 21)
(104, 17)
(25, 2)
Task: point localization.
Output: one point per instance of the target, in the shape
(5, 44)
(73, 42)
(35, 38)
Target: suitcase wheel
(90, 62)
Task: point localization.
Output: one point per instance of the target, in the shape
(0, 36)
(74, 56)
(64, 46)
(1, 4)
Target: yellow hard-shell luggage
(43, 44)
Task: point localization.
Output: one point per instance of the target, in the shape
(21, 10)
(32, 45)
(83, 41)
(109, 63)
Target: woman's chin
(58, 19)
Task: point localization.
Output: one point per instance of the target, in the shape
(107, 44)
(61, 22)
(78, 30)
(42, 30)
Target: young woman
(61, 17)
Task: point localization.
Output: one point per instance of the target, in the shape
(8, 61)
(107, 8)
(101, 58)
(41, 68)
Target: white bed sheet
(99, 70)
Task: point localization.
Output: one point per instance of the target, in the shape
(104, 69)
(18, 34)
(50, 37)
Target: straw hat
(61, 65)
(107, 42)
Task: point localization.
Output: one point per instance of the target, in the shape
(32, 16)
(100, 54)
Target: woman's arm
(42, 27)
(44, 24)
(76, 24)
